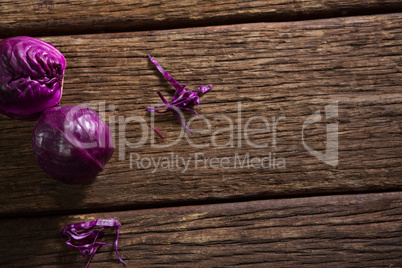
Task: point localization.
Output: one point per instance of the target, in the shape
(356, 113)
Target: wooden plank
(56, 17)
(285, 71)
(329, 231)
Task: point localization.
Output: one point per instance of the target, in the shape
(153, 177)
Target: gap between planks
(191, 203)
(47, 18)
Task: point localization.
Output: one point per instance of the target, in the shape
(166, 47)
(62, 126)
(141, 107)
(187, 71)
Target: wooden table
(255, 189)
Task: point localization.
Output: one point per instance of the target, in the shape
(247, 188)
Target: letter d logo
(331, 151)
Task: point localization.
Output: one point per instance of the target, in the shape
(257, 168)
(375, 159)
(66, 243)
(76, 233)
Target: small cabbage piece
(204, 89)
(85, 241)
(31, 77)
(182, 99)
(72, 143)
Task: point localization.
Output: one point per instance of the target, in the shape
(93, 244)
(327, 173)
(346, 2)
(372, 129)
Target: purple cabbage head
(31, 77)
(72, 143)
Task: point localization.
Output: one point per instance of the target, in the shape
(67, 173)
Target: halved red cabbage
(72, 143)
(31, 77)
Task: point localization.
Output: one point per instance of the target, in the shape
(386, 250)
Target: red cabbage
(31, 77)
(85, 242)
(72, 143)
(182, 99)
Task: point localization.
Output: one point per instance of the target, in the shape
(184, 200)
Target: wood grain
(57, 17)
(329, 231)
(288, 69)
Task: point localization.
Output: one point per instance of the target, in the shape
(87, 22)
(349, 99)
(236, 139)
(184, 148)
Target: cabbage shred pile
(85, 241)
(182, 99)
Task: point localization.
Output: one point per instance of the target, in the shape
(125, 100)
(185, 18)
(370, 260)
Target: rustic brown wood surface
(290, 77)
(54, 17)
(330, 231)
(280, 71)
